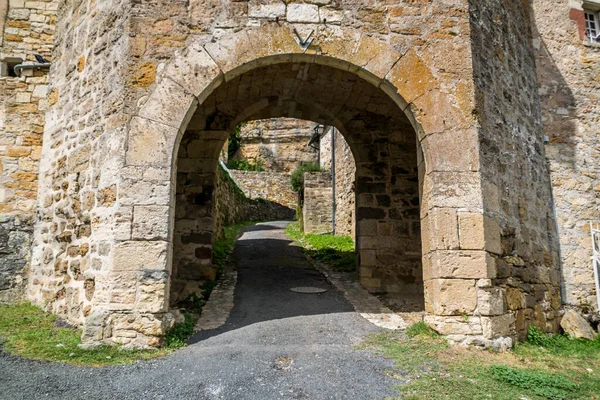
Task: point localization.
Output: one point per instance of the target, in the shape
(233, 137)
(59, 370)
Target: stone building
(445, 106)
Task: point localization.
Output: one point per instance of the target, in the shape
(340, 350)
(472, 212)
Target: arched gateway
(425, 227)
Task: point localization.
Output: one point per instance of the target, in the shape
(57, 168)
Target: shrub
(243, 164)
(297, 177)
(235, 140)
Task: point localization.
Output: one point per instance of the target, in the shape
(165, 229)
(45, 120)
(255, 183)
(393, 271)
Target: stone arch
(446, 133)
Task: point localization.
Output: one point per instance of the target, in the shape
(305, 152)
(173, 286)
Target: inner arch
(381, 138)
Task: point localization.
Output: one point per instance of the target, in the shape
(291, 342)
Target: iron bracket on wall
(595, 233)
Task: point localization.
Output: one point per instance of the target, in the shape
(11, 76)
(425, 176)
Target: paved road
(276, 344)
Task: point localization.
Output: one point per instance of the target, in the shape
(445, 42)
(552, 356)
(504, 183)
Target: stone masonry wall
(517, 198)
(74, 248)
(316, 209)
(129, 75)
(272, 186)
(207, 199)
(568, 71)
(345, 171)
(282, 143)
(27, 28)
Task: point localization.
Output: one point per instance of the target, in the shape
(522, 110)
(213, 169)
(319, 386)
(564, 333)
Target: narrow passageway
(276, 344)
(273, 273)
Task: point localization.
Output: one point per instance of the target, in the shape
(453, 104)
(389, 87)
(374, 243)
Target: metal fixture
(20, 67)
(308, 289)
(304, 43)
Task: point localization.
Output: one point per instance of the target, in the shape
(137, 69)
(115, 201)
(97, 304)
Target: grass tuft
(223, 246)
(336, 251)
(421, 329)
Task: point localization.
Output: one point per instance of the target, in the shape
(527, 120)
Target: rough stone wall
(205, 202)
(316, 210)
(282, 143)
(568, 71)
(517, 197)
(77, 271)
(271, 186)
(345, 171)
(27, 28)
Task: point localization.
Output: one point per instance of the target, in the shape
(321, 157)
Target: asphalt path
(276, 344)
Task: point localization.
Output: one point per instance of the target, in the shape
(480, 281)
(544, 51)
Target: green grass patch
(547, 386)
(428, 368)
(29, 332)
(336, 251)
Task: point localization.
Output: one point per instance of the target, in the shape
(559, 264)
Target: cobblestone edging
(220, 303)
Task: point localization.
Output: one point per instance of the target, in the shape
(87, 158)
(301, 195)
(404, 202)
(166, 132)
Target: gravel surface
(276, 344)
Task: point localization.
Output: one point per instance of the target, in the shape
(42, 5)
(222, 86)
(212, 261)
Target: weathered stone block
(459, 264)
(454, 325)
(140, 255)
(298, 12)
(491, 301)
(450, 296)
(150, 222)
(498, 326)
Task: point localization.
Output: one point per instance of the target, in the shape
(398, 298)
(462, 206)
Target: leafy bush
(297, 177)
(243, 164)
(548, 386)
(235, 140)
(537, 337)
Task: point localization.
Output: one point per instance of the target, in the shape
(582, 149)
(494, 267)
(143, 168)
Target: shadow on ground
(268, 266)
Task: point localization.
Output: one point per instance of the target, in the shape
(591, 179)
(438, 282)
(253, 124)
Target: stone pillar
(317, 202)
(194, 229)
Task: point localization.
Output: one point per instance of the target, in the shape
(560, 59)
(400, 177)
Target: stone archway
(456, 271)
(379, 135)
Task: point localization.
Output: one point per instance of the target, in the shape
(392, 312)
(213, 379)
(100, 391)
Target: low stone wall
(316, 210)
(271, 186)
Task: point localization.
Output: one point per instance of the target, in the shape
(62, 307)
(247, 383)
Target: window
(591, 26)
(7, 66)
